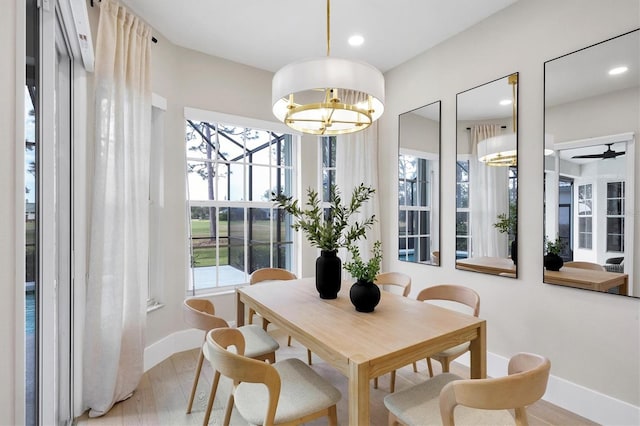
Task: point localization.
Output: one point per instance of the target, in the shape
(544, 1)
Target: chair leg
(333, 416)
(392, 386)
(195, 381)
(309, 356)
(265, 324)
(289, 341)
(393, 420)
(375, 383)
(445, 364)
(251, 314)
(415, 367)
(430, 367)
(212, 395)
(229, 410)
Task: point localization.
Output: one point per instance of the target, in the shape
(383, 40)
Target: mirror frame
(434, 258)
(588, 140)
(487, 96)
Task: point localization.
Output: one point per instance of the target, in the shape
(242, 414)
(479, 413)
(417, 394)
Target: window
(234, 229)
(585, 216)
(615, 217)
(328, 147)
(463, 237)
(156, 205)
(414, 200)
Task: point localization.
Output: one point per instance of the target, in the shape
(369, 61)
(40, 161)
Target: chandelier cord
(328, 28)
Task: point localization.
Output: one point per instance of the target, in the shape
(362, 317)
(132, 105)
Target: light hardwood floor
(162, 396)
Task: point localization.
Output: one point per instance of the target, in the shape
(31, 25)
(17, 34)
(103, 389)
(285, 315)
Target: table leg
(358, 392)
(624, 287)
(478, 351)
(239, 311)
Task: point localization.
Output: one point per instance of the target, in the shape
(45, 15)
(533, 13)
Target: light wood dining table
(588, 279)
(363, 346)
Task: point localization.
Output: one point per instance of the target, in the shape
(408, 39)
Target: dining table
(360, 345)
(568, 276)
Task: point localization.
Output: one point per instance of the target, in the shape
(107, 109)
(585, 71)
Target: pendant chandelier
(502, 150)
(328, 96)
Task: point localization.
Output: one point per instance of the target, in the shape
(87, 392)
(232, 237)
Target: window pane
(615, 190)
(614, 207)
(260, 225)
(231, 142)
(462, 196)
(236, 239)
(328, 179)
(236, 182)
(329, 151)
(462, 223)
(402, 222)
(260, 186)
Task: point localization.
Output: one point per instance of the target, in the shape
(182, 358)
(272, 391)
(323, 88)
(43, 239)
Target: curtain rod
(153, 39)
(502, 127)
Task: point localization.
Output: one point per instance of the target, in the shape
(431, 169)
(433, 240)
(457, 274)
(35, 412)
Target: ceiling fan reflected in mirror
(609, 153)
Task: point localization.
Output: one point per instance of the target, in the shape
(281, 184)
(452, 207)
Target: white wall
(11, 271)
(592, 339)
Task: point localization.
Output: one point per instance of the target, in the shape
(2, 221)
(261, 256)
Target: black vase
(328, 274)
(553, 262)
(514, 252)
(364, 295)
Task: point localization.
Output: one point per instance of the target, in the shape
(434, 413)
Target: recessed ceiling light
(505, 102)
(356, 40)
(618, 70)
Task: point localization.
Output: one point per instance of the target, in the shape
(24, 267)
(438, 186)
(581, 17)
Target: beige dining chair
(585, 265)
(475, 401)
(389, 281)
(435, 257)
(287, 392)
(272, 274)
(200, 314)
(452, 293)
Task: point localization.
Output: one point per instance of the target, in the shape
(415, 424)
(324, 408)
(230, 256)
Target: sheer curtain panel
(356, 163)
(488, 198)
(118, 265)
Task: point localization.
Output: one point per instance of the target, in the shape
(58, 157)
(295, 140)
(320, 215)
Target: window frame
(246, 205)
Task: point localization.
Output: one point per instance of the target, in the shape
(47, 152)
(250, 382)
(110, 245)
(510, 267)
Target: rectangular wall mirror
(487, 178)
(591, 122)
(419, 185)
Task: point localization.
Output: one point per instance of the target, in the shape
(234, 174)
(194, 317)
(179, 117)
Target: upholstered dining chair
(200, 314)
(585, 265)
(272, 274)
(453, 293)
(389, 281)
(287, 392)
(475, 401)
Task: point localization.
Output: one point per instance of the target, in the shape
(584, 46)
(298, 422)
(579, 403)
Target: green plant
(334, 229)
(553, 246)
(361, 270)
(508, 223)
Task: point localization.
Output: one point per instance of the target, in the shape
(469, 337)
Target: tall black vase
(328, 274)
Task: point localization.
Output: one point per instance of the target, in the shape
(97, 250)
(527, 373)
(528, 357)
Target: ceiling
(270, 34)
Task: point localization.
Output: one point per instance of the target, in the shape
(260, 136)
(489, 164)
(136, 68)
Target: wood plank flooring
(162, 396)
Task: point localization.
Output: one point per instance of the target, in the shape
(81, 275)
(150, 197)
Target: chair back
(239, 368)
(200, 314)
(395, 279)
(454, 293)
(585, 265)
(271, 274)
(525, 384)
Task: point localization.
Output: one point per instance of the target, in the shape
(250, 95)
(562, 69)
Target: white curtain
(118, 265)
(356, 163)
(488, 198)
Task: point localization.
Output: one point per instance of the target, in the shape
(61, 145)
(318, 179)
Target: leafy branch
(334, 229)
(361, 270)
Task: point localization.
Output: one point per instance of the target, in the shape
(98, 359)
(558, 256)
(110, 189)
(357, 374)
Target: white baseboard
(593, 405)
(179, 341)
